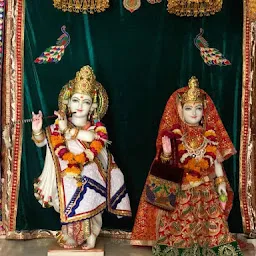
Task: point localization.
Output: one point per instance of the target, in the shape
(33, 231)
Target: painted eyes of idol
(76, 100)
(200, 108)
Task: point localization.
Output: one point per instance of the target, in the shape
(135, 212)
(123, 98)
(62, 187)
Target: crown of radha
(193, 94)
(84, 82)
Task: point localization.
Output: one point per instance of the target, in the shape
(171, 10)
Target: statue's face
(80, 105)
(192, 112)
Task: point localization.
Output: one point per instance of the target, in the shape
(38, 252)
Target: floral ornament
(211, 56)
(77, 161)
(53, 54)
(132, 5)
(154, 1)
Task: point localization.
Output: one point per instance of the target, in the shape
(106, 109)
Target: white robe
(103, 187)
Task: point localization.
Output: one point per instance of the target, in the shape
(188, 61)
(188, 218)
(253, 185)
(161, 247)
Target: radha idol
(187, 197)
(80, 177)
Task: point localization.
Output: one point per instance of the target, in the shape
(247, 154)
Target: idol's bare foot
(90, 242)
(66, 241)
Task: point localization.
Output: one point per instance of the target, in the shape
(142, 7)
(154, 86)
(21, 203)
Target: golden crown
(84, 82)
(193, 94)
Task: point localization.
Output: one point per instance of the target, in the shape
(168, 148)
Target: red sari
(197, 225)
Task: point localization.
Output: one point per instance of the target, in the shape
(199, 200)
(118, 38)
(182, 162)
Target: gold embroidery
(194, 7)
(83, 6)
(251, 7)
(86, 229)
(208, 252)
(227, 249)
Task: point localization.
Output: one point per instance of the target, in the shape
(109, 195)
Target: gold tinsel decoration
(83, 6)
(251, 7)
(194, 7)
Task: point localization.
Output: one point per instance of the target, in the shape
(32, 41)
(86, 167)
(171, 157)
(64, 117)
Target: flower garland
(77, 161)
(189, 161)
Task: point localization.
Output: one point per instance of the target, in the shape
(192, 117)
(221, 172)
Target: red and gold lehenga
(197, 225)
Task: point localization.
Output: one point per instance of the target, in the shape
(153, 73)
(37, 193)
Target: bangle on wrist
(36, 140)
(38, 133)
(73, 137)
(65, 130)
(165, 158)
(220, 180)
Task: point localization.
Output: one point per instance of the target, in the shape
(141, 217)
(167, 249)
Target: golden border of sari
(107, 177)
(143, 242)
(43, 233)
(63, 218)
(112, 165)
(13, 109)
(246, 173)
(97, 161)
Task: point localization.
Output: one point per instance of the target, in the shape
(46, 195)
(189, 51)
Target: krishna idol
(80, 177)
(187, 198)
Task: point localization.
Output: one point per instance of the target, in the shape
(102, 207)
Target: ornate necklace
(196, 146)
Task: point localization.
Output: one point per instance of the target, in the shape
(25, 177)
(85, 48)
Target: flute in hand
(29, 120)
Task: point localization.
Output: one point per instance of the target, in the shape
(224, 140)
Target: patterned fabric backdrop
(247, 174)
(2, 16)
(220, 83)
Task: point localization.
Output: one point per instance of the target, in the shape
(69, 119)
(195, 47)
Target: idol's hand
(222, 189)
(63, 122)
(167, 146)
(37, 121)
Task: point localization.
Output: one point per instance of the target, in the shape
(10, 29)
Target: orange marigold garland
(189, 162)
(76, 162)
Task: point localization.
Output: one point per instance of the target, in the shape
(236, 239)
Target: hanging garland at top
(179, 7)
(83, 6)
(194, 7)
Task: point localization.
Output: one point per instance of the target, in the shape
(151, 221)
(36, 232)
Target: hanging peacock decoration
(53, 54)
(211, 56)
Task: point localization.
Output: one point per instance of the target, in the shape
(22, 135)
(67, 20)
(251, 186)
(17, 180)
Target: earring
(202, 122)
(69, 112)
(89, 115)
